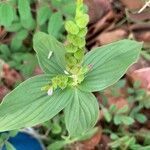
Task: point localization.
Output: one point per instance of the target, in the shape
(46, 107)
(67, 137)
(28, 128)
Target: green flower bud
(80, 78)
(56, 81)
(71, 61)
(71, 48)
(82, 20)
(71, 27)
(79, 42)
(85, 69)
(71, 38)
(82, 32)
(75, 70)
(76, 40)
(64, 81)
(63, 85)
(79, 54)
(64, 78)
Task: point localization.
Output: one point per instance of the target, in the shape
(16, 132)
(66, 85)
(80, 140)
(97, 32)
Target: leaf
(27, 63)
(137, 84)
(114, 136)
(117, 119)
(45, 44)
(5, 50)
(28, 105)
(112, 108)
(56, 128)
(141, 118)
(69, 9)
(107, 115)
(123, 110)
(56, 3)
(57, 145)
(26, 18)
(13, 133)
(55, 24)
(9, 146)
(81, 113)
(121, 119)
(127, 120)
(88, 134)
(6, 14)
(43, 13)
(14, 27)
(109, 63)
(17, 41)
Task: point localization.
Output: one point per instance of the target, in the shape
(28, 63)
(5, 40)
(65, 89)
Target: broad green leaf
(50, 53)
(26, 18)
(55, 24)
(109, 63)
(43, 13)
(6, 14)
(81, 113)
(28, 105)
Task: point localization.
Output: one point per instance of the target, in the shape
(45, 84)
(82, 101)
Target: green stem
(80, 1)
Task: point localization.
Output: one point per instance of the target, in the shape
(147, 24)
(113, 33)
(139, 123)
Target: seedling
(118, 117)
(69, 80)
(22, 20)
(4, 139)
(138, 94)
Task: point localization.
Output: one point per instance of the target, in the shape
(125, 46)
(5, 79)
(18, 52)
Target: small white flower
(50, 92)
(50, 54)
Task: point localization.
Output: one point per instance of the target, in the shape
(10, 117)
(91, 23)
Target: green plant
(22, 19)
(140, 95)
(126, 142)
(4, 139)
(69, 80)
(118, 116)
(123, 139)
(22, 61)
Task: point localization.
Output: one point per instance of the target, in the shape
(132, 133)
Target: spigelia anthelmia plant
(69, 80)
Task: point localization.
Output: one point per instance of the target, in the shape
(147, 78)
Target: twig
(147, 4)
